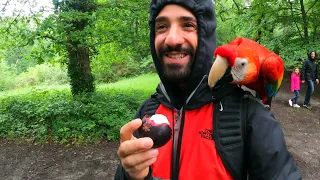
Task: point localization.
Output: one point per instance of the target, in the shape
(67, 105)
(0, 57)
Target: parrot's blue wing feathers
(272, 89)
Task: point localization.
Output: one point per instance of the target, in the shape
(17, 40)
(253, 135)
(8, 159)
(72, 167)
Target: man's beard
(176, 73)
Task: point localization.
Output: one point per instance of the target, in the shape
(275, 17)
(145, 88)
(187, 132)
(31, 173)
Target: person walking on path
(295, 87)
(309, 74)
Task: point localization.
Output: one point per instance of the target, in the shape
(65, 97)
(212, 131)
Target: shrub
(56, 116)
(107, 72)
(7, 77)
(43, 74)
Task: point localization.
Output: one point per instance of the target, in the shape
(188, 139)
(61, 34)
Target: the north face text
(207, 134)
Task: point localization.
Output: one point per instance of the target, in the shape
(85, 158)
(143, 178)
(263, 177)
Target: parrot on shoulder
(252, 65)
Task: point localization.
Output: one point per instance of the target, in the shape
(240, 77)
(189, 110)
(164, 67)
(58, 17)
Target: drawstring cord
(221, 107)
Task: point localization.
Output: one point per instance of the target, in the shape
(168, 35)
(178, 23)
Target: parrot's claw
(267, 106)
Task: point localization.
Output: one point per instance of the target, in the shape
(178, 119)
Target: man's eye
(190, 25)
(161, 27)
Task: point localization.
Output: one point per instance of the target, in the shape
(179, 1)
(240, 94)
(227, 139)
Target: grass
(27, 90)
(146, 83)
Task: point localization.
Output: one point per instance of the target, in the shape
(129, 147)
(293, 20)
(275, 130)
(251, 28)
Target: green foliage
(44, 74)
(113, 71)
(18, 58)
(75, 20)
(146, 83)
(295, 53)
(115, 33)
(126, 23)
(8, 81)
(54, 115)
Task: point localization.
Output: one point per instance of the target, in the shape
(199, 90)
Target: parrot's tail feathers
(272, 90)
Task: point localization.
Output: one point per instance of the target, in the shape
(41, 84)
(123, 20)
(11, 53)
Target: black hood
(309, 55)
(204, 11)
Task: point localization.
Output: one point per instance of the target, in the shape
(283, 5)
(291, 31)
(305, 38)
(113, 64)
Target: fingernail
(154, 152)
(147, 143)
(136, 121)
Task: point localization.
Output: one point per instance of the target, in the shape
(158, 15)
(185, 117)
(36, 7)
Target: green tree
(74, 24)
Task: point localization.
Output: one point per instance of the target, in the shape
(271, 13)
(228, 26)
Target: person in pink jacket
(295, 87)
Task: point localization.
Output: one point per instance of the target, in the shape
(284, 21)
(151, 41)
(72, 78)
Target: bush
(43, 74)
(7, 77)
(55, 116)
(106, 72)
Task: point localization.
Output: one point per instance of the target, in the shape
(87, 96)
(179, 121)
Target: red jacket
(202, 155)
(199, 158)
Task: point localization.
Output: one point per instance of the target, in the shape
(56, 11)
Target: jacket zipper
(176, 138)
(175, 145)
(176, 133)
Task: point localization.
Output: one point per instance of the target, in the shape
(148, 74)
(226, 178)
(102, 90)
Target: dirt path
(302, 131)
(41, 162)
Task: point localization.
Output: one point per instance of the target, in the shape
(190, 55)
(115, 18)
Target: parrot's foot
(267, 106)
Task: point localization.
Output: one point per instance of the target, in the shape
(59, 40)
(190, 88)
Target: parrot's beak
(218, 69)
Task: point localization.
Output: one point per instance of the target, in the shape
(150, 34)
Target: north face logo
(207, 134)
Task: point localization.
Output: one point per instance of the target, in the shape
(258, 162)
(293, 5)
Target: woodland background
(74, 71)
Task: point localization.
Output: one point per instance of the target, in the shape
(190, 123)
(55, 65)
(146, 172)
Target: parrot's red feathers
(237, 41)
(227, 51)
(261, 69)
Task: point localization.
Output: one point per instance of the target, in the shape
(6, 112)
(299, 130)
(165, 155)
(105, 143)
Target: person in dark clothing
(182, 41)
(309, 74)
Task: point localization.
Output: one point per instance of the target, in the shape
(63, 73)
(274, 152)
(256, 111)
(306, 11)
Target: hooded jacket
(205, 15)
(194, 151)
(309, 70)
(295, 82)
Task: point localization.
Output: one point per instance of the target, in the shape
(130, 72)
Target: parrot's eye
(243, 63)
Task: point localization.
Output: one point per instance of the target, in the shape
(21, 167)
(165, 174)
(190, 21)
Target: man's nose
(174, 37)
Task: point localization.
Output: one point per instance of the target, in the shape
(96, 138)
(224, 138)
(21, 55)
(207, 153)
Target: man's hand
(302, 81)
(135, 154)
(317, 81)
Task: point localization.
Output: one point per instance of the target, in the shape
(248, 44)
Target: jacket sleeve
(292, 82)
(317, 71)
(303, 70)
(121, 174)
(267, 154)
(151, 106)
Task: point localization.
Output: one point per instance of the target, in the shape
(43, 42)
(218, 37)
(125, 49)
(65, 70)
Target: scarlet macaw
(252, 65)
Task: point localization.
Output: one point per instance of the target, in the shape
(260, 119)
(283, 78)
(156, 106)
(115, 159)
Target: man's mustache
(168, 49)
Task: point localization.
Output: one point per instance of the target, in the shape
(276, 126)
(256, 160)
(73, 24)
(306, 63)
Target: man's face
(313, 55)
(176, 41)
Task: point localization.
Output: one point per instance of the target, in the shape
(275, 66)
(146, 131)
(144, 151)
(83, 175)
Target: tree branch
(15, 19)
(315, 2)
(4, 6)
(237, 6)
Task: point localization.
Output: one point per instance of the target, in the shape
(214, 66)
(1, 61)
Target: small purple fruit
(157, 128)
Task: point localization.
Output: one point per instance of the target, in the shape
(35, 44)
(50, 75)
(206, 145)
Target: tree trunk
(305, 22)
(79, 71)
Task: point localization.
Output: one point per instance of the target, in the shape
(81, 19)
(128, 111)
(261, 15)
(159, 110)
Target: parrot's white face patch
(239, 69)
